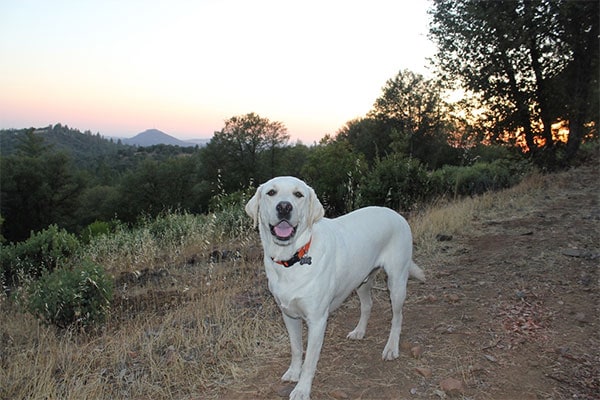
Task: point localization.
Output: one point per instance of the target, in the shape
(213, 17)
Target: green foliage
(235, 152)
(395, 182)
(66, 297)
(334, 171)
(154, 186)
(38, 191)
(531, 63)
(43, 251)
(369, 136)
(412, 115)
(2, 239)
(476, 179)
(94, 229)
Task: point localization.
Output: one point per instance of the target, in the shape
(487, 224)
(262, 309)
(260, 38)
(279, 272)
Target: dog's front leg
(316, 332)
(294, 328)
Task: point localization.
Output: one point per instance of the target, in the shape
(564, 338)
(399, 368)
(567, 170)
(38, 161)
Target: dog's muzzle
(283, 230)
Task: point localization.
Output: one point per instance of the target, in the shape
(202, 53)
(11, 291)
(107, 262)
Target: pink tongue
(283, 229)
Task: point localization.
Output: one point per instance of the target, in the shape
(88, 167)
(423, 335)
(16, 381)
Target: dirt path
(510, 310)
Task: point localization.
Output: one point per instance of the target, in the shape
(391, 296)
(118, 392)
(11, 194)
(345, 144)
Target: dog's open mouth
(283, 230)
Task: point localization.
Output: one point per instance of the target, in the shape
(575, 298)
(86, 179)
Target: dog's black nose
(284, 209)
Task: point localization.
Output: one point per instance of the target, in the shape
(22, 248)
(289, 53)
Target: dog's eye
(271, 192)
(298, 194)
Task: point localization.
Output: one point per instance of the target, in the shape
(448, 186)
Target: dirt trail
(511, 312)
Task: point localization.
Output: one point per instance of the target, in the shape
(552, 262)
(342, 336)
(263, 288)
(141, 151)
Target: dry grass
(190, 329)
(454, 217)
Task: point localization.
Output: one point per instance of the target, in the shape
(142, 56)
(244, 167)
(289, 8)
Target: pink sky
(183, 67)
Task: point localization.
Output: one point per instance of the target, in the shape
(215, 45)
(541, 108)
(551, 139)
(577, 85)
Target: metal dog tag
(306, 260)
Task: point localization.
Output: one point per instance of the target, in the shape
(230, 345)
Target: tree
(37, 191)
(334, 170)
(31, 145)
(233, 153)
(368, 136)
(580, 78)
(512, 54)
(154, 187)
(413, 115)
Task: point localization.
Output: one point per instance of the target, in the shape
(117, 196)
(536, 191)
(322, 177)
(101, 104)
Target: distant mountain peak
(152, 137)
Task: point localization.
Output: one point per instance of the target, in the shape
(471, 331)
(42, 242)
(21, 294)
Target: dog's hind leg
(397, 287)
(366, 302)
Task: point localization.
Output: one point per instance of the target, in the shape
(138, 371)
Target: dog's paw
(356, 335)
(390, 354)
(291, 375)
(300, 393)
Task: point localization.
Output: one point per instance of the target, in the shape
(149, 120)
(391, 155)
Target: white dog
(314, 263)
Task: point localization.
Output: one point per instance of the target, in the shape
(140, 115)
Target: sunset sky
(184, 67)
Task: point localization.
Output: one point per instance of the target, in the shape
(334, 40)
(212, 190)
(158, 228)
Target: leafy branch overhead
(532, 64)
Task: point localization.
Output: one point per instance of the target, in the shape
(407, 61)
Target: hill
(152, 137)
(508, 310)
(82, 146)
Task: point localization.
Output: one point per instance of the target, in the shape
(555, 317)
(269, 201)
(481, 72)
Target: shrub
(66, 297)
(41, 252)
(94, 229)
(477, 178)
(395, 182)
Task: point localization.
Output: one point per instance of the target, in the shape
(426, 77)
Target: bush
(41, 252)
(395, 182)
(477, 178)
(94, 229)
(67, 297)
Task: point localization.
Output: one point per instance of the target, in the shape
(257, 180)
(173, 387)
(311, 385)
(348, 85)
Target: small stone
(453, 298)
(416, 351)
(406, 346)
(431, 298)
(490, 358)
(338, 394)
(452, 386)
(581, 317)
(284, 390)
(425, 372)
(441, 237)
(573, 253)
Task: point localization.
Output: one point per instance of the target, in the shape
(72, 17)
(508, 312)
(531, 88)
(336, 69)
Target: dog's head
(284, 207)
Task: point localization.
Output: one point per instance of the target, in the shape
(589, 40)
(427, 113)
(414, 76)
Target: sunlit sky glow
(184, 67)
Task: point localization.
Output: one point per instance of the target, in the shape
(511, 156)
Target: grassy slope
(184, 327)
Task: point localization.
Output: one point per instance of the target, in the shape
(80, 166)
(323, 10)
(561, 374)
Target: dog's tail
(416, 272)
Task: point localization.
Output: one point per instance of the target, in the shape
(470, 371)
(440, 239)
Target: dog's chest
(292, 296)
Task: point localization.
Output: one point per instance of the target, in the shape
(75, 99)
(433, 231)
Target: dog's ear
(315, 208)
(252, 207)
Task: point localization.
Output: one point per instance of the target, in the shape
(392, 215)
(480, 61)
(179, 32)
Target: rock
(573, 253)
(431, 298)
(416, 351)
(452, 387)
(424, 372)
(406, 346)
(338, 394)
(441, 237)
(453, 298)
(284, 390)
(581, 318)
(490, 358)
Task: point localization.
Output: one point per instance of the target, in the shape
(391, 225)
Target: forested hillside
(412, 147)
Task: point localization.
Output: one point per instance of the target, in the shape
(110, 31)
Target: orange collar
(299, 256)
